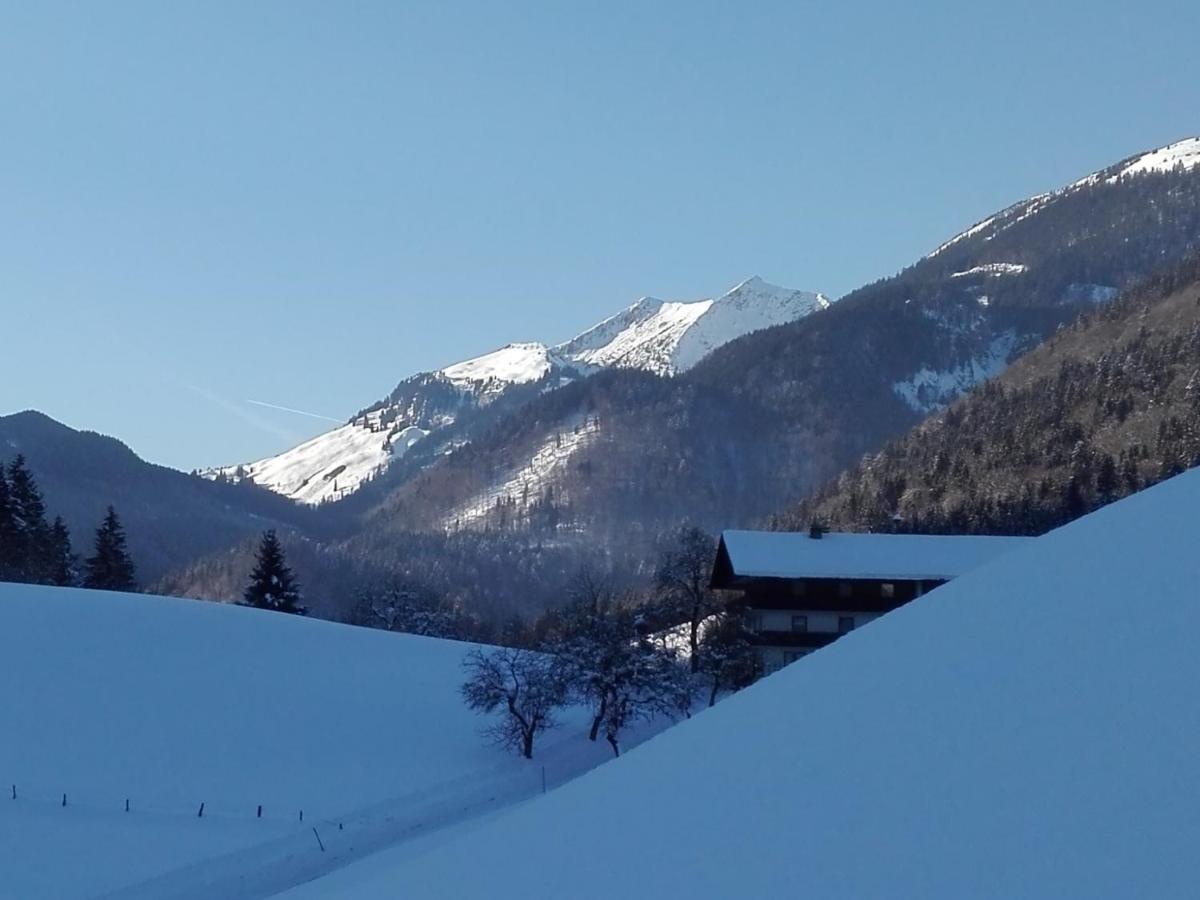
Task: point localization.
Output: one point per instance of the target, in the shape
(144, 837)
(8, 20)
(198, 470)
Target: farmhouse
(804, 590)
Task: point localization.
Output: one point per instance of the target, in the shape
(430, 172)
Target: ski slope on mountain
(1028, 730)
(655, 335)
(173, 703)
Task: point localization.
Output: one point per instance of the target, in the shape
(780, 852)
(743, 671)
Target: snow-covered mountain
(980, 742)
(1179, 156)
(663, 337)
(671, 337)
(760, 422)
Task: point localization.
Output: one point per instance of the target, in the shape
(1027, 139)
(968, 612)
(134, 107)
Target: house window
(845, 623)
(754, 621)
(844, 589)
(799, 623)
(887, 590)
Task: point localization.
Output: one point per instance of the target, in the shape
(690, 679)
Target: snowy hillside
(174, 703)
(658, 336)
(1028, 730)
(332, 464)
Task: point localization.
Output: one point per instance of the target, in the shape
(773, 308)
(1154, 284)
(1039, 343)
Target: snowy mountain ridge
(1183, 154)
(659, 336)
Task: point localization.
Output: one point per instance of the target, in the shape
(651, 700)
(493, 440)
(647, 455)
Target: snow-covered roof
(924, 557)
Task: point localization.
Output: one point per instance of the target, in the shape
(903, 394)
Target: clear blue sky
(207, 203)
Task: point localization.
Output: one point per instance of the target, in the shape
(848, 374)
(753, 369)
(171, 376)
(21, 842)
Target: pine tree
(61, 561)
(110, 569)
(8, 531)
(272, 584)
(31, 533)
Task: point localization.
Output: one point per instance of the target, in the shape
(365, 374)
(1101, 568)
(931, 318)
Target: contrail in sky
(298, 412)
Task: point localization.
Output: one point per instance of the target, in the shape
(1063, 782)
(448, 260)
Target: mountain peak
(660, 336)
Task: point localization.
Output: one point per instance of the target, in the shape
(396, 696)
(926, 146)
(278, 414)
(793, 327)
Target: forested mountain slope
(1105, 407)
(170, 518)
(763, 420)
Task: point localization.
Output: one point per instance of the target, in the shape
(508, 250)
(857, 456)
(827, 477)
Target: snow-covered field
(1029, 730)
(173, 703)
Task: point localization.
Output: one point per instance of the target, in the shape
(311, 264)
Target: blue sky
(205, 204)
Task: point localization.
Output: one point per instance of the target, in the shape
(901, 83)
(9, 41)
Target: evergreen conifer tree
(110, 569)
(272, 584)
(8, 531)
(61, 561)
(31, 533)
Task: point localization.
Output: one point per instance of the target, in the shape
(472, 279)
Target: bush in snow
(400, 605)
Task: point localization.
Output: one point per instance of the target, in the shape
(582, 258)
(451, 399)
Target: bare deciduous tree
(525, 686)
(681, 581)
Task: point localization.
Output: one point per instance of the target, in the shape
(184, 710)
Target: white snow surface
(1185, 153)
(670, 337)
(1028, 730)
(993, 270)
(172, 703)
(331, 465)
(514, 364)
(929, 557)
(927, 390)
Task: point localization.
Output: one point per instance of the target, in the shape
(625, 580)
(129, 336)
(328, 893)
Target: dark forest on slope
(1106, 407)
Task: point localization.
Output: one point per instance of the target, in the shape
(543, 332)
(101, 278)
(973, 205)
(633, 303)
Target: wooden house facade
(804, 591)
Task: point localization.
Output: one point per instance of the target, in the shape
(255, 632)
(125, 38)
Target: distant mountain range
(652, 335)
(492, 479)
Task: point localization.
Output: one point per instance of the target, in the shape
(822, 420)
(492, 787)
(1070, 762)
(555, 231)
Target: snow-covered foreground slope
(655, 335)
(174, 703)
(1029, 730)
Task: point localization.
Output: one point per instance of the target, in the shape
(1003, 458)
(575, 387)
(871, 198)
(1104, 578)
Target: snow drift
(1028, 730)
